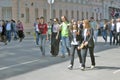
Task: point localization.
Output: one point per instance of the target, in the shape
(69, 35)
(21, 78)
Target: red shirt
(43, 28)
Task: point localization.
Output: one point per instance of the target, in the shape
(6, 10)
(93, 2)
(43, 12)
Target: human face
(41, 21)
(63, 18)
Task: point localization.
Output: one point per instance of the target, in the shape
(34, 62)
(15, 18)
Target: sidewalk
(107, 68)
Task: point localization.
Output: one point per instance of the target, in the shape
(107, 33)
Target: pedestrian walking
(37, 33)
(65, 33)
(87, 43)
(42, 26)
(55, 38)
(20, 30)
(75, 41)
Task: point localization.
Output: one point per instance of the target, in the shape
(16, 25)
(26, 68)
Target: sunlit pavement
(23, 61)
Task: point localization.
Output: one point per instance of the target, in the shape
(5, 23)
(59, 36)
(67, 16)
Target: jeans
(95, 35)
(112, 35)
(8, 35)
(65, 45)
(73, 48)
(42, 43)
(104, 34)
(37, 37)
(118, 38)
(84, 54)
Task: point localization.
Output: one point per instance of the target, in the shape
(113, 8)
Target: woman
(88, 43)
(42, 26)
(55, 39)
(20, 30)
(76, 39)
(3, 34)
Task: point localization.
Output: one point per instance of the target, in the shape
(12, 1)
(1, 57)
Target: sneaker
(80, 65)
(92, 66)
(63, 56)
(70, 67)
(82, 68)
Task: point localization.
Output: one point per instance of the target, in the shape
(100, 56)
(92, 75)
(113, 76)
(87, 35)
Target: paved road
(19, 61)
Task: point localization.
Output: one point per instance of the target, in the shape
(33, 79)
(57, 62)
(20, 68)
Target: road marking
(116, 71)
(8, 67)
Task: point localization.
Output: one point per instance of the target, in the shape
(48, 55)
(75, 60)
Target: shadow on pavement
(48, 61)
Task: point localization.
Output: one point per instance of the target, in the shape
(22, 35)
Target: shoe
(41, 48)
(70, 67)
(63, 56)
(80, 65)
(92, 67)
(82, 68)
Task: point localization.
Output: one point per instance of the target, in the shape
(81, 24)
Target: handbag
(81, 46)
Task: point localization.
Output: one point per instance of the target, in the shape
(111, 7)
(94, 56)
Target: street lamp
(50, 2)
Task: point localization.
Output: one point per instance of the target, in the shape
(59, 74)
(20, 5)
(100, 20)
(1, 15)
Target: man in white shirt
(118, 31)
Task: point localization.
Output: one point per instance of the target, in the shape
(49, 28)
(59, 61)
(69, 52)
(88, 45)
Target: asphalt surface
(23, 61)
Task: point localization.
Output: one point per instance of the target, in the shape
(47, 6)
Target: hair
(41, 17)
(65, 18)
(87, 23)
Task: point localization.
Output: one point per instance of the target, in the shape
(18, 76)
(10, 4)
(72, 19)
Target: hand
(56, 37)
(86, 43)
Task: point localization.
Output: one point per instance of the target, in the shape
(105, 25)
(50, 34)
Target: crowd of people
(11, 29)
(74, 35)
(80, 35)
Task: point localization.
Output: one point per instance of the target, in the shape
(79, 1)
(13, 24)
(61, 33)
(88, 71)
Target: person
(20, 30)
(3, 34)
(1, 29)
(88, 43)
(55, 39)
(95, 27)
(8, 31)
(104, 32)
(37, 34)
(65, 27)
(118, 32)
(14, 29)
(76, 40)
(112, 31)
(49, 32)
(42, 26)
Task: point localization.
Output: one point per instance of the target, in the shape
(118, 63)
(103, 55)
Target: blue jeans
(8, 35)
(65, 45)
(104, 34)
(95, 35)
(37, 37)
(42, 43)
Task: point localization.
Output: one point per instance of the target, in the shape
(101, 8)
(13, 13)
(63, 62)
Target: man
(65, 25)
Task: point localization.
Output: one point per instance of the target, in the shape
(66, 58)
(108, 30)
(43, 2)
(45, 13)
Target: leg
(91, 51)
(83, 55)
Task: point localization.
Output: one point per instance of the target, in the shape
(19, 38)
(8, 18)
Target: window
(96, 16)
(92, 14)
(60, 13)
(36, 13)
(82, 15)
(27, 15)
(72, 14)
(45, 13)
(77, 15)
(86, 15)
(66, 13)
(54, 13)
(7, 13)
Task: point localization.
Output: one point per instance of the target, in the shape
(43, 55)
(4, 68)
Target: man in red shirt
(42, 26)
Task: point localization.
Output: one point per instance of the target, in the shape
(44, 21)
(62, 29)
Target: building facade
(28, 10)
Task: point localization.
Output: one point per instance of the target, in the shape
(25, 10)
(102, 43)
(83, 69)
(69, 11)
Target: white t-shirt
(74, 41)
(118, 27)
